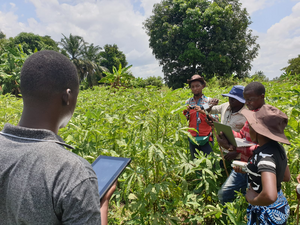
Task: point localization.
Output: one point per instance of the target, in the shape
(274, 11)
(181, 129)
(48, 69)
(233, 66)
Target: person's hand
(198, 109)
(238, 169)
(109, 193)
(251, 194)
(222, 140)
(187, 108)
(231, 155)
(214, 101)
(209, 121)
(298, 178)
(105, 202)
(297, 187)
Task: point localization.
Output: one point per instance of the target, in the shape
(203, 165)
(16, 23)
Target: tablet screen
(108, 170)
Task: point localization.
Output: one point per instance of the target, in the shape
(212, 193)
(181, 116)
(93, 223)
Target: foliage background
(162, 185)
(201, 37)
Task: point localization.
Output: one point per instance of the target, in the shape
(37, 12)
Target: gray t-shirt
(42, 182)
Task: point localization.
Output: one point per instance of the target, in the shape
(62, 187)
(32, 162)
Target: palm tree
(86, 58)
(80, 54)
(74, 46)
(91, 52)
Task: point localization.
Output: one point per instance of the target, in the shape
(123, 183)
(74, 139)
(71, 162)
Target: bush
(149, 81)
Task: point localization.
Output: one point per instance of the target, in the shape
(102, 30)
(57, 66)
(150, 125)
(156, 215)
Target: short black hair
(47, 72)
(256, 87)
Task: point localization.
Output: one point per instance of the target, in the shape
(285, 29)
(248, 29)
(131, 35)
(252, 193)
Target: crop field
(162, 185)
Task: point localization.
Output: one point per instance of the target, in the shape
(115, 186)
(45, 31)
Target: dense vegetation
(162, 185)
(90, 60)
(293, 67)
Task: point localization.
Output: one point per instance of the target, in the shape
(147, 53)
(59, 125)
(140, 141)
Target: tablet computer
(227, 130)
(108, 169)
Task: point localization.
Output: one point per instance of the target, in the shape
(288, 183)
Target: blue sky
(263, 19)
(275, 22)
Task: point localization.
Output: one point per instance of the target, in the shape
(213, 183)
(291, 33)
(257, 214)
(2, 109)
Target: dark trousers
(206, 149)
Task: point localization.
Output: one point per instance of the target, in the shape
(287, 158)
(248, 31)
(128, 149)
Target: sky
(275, 22)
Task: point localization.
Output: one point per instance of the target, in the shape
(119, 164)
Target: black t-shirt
(270, 157)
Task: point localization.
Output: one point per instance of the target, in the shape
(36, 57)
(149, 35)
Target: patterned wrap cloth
(276, 213)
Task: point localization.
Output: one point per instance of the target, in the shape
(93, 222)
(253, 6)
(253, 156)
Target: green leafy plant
(162, 185)
(118, 78)
(12, 60)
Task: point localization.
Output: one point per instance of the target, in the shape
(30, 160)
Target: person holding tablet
(41, 181)
(231, 112)
(231, 116)
(254, 95)
(267, 168)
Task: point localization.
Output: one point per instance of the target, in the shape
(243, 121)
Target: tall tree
(2, 35)
(48, 41)
(91, 52)
(293, 67)
(201, 36)
(85, 57)
(74, 45)
(112, 57)
(2, 42)
(33, 42)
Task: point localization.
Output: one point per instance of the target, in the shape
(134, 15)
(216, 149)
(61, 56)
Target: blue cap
(236, 92)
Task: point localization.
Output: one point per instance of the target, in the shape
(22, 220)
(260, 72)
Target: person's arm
(298, 178)
(81, 205)
(231, 155)
(215, 109)
(238, 170)
(222, 140)
(104, 204)
(212, 102)
(287, 174)
(268, 195)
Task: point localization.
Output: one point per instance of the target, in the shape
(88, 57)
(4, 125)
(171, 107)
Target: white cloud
(147, 70)
(279, 44)
(116, 22)
(256, 5)
(148, 6)
(13, 5)
(9, 24)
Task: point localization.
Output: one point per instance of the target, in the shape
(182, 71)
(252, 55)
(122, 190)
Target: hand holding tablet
(108, 169)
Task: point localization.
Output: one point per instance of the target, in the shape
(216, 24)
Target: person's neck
(262, 140)
(260, 106)
(236, 109)
(39, 118)
(197, 97)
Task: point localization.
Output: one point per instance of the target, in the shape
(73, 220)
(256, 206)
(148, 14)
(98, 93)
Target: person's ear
(66, 97)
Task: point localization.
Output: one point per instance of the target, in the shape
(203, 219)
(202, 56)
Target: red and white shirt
(246, 152)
